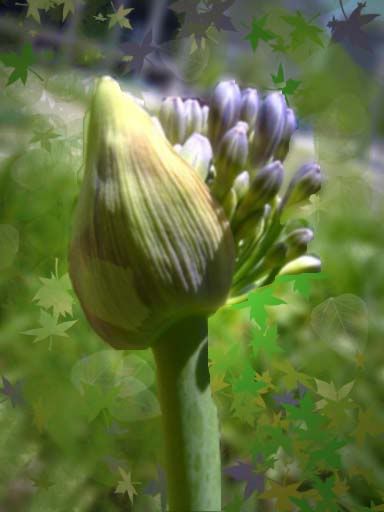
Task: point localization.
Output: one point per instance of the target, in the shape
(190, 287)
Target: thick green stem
(189, 418)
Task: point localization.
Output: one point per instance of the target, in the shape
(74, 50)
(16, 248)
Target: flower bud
(269, 128)
(305, 182)
(289, 127)
(197, 152)
(231, 158)
(250, 226)
(276, 256)
(205, 115)
(224, 110)
(241, 185)
(194, 117)
(229, 203)
(149, 244)
(173, 119)
(249, 106)
(297, 242)
(262, 189)
(302, 265)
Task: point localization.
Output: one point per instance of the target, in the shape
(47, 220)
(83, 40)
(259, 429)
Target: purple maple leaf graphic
(197, 20)
(246, 471)
(158, 486)
(138, 52)
(350, 29)
(12, 392)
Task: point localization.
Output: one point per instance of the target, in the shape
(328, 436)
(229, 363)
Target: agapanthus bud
(269, 128)
(275, 256)
(250, 226)
(197, 151)
(262, 189)
(305, 182)
(241, 185)
(289, 127)
(229, 203)
(249, 106)
(231, 158)
(297, 242)
(224, 110)
(303, 264)
(194, 117)
(173, 119)
(149, 245)
(205, 115)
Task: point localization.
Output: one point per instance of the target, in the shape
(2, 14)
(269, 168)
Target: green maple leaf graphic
(68, 7)
(259, 32)
(303, 31)
(49, 328)
(119, 18)
(54, 293)
(301, 282)
(20, 62)
(126, 485)
(246, 381)
(267, 341)
(44, 137)
(258, 301)
(279, 77)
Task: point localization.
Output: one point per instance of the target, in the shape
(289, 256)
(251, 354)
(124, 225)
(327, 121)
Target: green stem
(189, 418)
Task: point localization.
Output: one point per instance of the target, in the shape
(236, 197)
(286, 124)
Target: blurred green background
(77, 418)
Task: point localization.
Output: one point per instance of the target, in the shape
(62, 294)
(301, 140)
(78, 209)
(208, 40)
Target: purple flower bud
(231, 158)
(269, 128)
(241, 185)
(289, 127)
(249, 106)
(173, 119)
(297, 242)
(305, 182)
(262, 189)
(194, 117)
(224, 110)
(197, 152)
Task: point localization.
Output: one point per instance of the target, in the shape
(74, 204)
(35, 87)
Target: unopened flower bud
(269, 128)
(276, 256)
(297, 242)
(305, 182)
(231, 158)
(229, 203)
(224, 110)
(197, 152)
(194, 117)
(205, 115)
(173, 119)
(249, 106)
(149, 244)
(262, 189)
(301, 265)
(241, 185)
(250, 226)
(289, 127)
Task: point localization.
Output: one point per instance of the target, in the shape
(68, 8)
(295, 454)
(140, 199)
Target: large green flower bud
(150, 245)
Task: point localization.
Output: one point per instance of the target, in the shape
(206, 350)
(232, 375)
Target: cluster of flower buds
(179, 210)
(237, 144)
